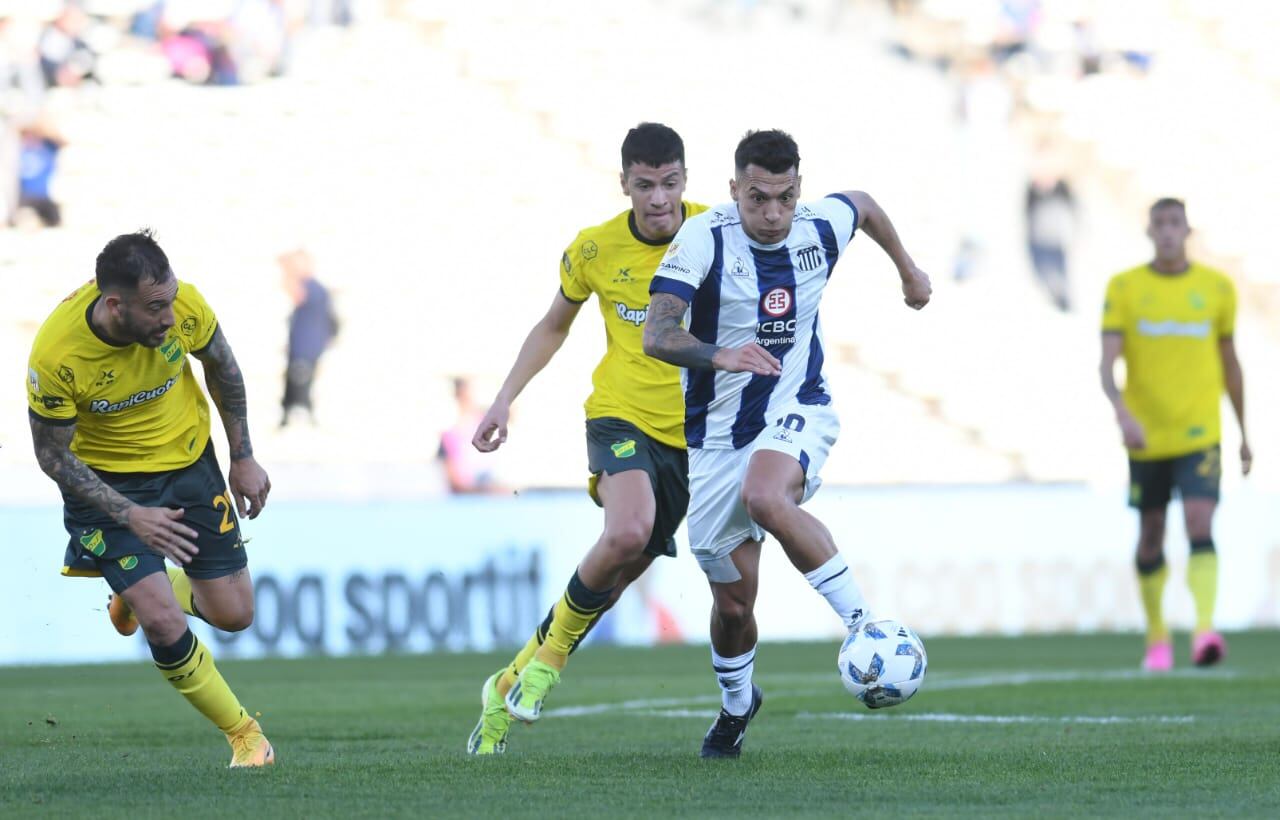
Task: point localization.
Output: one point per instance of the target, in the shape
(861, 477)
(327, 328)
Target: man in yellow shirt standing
(635, 421)
(1172, 320)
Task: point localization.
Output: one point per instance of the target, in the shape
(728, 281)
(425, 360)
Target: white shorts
(718, 520)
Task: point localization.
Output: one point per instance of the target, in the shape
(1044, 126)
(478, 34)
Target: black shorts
(615, 446)
(1196, 475)
(100, 547)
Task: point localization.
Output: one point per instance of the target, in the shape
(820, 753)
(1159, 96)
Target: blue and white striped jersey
(740, 291)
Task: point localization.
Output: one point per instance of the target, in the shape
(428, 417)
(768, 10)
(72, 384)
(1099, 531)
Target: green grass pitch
(1041, 726)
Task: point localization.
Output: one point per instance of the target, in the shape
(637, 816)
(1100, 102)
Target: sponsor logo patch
(141, 397)
(776, 302)
(635, 316)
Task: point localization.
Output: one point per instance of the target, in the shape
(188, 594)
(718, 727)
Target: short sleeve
(1114, 314)
(843, 215)
(195, 318)
(573, 268)
(51, 390)
(687, 261)
(1227, 314)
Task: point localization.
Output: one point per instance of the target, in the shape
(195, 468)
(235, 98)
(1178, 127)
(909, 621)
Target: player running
(635, 443)
(1172, 320)
(759, 421)
(121, 426)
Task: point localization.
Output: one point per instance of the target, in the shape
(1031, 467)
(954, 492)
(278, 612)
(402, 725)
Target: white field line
(948, 717)
(667, 707)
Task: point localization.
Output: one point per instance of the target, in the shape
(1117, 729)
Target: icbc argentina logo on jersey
(777, 326)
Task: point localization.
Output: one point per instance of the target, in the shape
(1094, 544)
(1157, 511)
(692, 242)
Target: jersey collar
(88, 320)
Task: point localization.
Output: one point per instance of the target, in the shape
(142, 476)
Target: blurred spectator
(466, 468)
(312, 326)
(65, 57)
(37, 162)
(330, 12)
(1050, 212)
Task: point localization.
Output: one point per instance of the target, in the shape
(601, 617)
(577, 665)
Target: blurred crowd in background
(1016, 142)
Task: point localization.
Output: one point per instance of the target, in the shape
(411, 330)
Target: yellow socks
(189, 668)
(1202, 578)
(577, 620)
(574, 614)
(1151, 580)
(182, 591)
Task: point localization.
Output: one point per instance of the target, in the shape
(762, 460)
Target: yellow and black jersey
(615, 262)
(1172, 324)
(136, 409)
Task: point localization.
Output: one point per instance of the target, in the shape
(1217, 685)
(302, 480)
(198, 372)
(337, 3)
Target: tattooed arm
(665, 339)
(226, 386)
(159, 528)
(248, 481)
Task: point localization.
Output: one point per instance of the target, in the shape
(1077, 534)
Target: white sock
(834, 581)
(734, 676)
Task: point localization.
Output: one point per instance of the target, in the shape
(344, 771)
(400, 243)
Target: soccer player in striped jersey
(635, 442)
(759, 421)
(1173, 321)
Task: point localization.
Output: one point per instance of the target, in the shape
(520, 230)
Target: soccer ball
(882, 663)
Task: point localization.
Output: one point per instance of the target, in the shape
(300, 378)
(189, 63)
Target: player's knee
(163, 628)
(628, 538)
(734, 616)
(765, 506)
(236, 621)
(734, 611)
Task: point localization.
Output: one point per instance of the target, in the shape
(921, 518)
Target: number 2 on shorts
(222, 502)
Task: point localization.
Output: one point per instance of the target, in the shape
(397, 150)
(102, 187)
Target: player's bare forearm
(540, 347)
(877, 225)
(665, 339)
(1112, 348)
(53, 452)
(225, 381)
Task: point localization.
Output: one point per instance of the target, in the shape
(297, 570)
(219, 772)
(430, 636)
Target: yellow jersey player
(635, 418)
(1172, 320)
(121, 426)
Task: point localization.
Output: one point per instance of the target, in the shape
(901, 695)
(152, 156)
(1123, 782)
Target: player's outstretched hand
(491, 432)
(249, 486)
(750, 358)
(1135, 438)
(161, 528)
(1246, 458)
(916, 289)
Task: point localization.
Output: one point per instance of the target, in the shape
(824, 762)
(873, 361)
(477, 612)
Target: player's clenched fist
(916, 288)
(749, 358)
(491, 432)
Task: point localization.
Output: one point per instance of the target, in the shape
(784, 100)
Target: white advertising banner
(478, 573)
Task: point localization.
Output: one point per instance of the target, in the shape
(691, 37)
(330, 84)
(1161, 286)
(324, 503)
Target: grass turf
(1050, 726)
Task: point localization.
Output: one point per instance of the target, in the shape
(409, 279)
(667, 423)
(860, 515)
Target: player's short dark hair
(652, 144)
(773, 150)
(131, 259)
(1168, 202)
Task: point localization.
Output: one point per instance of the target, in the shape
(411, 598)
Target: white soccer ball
(882, 663)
